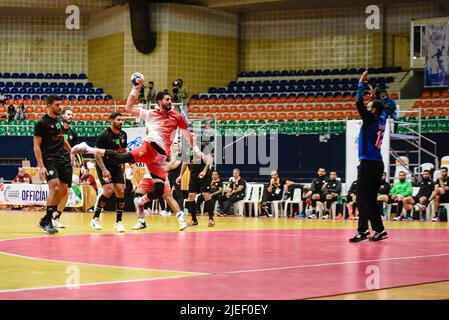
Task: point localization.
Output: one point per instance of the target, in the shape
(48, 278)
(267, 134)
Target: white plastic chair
(445, 162)
(254, 199)
(295, 200)
(238, 206)
(401, 167)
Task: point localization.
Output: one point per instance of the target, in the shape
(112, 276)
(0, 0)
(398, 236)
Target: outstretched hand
(364, 77)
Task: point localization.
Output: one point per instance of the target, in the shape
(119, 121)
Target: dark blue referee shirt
(372, 131)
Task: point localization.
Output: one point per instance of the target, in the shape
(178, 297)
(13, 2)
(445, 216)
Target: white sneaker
(164, 213)
(398, 218)
(182, 223)
(140, 225)
(80, 148)
(312, 216)
(119, 227)
(326, 216)
(436, 219)
(95, 224)
(57, 224)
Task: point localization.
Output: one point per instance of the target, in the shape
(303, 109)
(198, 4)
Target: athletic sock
(408, 213)
(191, 206)
(49, 214)
(120, 208)
(100, 205)
(208, 208)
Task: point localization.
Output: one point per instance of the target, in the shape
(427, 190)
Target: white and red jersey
(162, 126)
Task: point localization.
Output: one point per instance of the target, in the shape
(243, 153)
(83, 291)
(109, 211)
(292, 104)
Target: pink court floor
(259, 264)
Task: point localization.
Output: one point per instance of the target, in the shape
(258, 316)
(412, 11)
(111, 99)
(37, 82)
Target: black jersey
(235, 184)
(70, 136)
(426, 188)
(317, 184)
(111, 141)
(384, 188)
(51, 131)
(215, 186)
(445, 182)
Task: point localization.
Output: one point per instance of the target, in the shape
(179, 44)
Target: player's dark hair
(443, 168)
(378, 106)
(52, 98)
(401, 172)
(160, 95)
(114, 115)
(428, 171)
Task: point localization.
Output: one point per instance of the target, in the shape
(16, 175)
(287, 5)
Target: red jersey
(26, 178)
(162, 126)
(90, 180)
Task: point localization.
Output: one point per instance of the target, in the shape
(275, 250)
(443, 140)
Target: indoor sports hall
(224, 150)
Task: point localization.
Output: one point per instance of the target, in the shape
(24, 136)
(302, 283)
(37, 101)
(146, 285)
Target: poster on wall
(135, 138)
(35, 195)
(352, 149)
(437, 55)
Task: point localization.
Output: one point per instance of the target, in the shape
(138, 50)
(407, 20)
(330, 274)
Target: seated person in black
(330, 192)
(236, 192)
(440, 193)
(315, 192)
(426, 187)
(273, 192)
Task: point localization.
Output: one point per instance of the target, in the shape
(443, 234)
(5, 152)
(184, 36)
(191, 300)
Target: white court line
(335, 263)
(94, 284)
(98, 264)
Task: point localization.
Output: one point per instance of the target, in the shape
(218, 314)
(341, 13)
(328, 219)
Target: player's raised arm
(361, 108)
(131, 98)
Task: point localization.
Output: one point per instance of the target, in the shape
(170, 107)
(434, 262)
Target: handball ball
(135, 76)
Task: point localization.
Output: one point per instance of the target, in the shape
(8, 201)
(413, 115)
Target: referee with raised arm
(371, 165)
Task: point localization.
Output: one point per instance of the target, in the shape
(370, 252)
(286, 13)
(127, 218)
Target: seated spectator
(11, 112)
(316, 192)
(2, 98)
(236, 192)
(426, 187)
(401, 190)
(22, 177)
(216, 190)
(440, 193)
(88, 178)
(20, 113)
(390, 104)
(151, 96)
(330, 192)
(351, 201)
(383, 193)
(272, 193)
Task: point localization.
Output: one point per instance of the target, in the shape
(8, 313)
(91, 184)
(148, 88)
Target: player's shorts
(147, 184)
(197, 185)
(416, 199)
(61, 170)
(116, 174)
(444, 198)
(155, 161)
(323, 197)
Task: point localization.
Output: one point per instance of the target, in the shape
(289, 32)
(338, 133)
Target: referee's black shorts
(116, 173)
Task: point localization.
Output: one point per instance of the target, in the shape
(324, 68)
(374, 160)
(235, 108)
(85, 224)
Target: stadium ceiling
(270, 5)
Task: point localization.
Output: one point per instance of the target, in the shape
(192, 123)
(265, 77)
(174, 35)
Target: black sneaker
(50, 229)
(379, 236)
(360, 236)
(193, 223)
